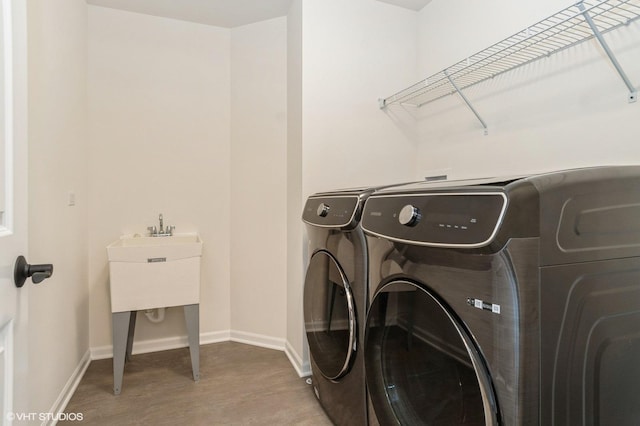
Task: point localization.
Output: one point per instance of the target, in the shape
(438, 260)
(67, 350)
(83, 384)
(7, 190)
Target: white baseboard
(157, 345)
(176, 342)
(212, 337)
(69, 388)
(257, 340)
(302, 368)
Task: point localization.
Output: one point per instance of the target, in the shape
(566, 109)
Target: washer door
(421, 365)
(329, 315)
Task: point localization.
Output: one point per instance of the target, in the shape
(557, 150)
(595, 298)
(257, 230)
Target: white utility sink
(154, 272)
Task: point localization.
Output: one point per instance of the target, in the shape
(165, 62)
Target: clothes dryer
(506, 302)
(335, 302)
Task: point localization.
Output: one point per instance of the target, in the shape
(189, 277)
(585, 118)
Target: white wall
(159, 133)
(297, 348)
(350, 54)
(568, 110)
(259, 181)
(354, 53)
(59, 306)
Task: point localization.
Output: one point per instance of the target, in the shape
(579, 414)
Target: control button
(409, 215)
(323, 210)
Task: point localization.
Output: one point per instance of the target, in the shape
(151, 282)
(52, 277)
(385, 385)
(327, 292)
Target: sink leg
(132, 329)
(120, 322)
(192, 317)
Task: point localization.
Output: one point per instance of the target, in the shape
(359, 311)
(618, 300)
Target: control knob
(409, 215)
(323, 210)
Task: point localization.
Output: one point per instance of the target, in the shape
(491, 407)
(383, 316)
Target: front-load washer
(511, 302)
(335, 302)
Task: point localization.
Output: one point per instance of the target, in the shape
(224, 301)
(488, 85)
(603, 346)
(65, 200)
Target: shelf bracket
(633, 93)
(466, 101)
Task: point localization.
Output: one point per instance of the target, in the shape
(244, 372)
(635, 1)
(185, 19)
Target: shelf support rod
(633, 93)
(466, 101)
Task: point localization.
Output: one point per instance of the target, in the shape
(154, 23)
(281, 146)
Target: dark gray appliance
(511, 302)
(335, 302)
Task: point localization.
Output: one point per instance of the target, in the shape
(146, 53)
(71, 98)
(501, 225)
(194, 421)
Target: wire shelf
(560, 31)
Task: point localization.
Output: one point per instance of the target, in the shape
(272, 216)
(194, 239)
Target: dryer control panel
(436, 219)
(332, 211)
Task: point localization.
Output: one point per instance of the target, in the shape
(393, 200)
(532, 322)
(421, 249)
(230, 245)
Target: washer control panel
(331, 212)
(436, 219)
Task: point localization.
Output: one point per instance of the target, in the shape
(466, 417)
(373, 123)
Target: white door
(13, 208)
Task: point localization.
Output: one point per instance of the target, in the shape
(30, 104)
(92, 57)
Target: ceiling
(221, 13)
(408, 4)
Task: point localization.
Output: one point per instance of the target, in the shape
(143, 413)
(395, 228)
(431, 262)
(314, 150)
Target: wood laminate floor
(239, 385)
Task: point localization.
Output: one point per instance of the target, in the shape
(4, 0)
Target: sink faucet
(162, 232)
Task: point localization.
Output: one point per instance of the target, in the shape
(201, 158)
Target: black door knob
(23, 270)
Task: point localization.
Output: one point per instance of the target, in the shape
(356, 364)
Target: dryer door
(329, 315)
(422, 367)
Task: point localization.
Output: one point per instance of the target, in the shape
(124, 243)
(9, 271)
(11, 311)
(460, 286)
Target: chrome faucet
(162, 232)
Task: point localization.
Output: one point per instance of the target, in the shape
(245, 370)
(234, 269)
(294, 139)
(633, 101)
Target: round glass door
(329, 315)
(421, 365)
